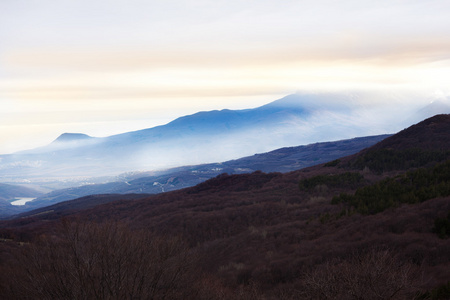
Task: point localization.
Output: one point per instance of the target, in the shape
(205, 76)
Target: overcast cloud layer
(104, 67)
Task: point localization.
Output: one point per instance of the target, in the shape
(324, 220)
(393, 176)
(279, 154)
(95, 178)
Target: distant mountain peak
(70, 137)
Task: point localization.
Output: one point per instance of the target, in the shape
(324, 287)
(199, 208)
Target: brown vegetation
(101, 261)
(372, 275)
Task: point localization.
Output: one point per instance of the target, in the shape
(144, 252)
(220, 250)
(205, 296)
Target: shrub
(348, 179)
(412, 187)
(332, 163)
(442, 226)
(381, 160)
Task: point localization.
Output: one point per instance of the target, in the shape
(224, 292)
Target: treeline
(348, 180)
(389, 159)
(412, 187)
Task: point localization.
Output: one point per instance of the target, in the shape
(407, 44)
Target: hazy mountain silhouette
(205, 137)
(198, 138)
(71, 137)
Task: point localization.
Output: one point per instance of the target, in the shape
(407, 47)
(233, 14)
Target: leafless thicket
(107, 261)
(378, 274)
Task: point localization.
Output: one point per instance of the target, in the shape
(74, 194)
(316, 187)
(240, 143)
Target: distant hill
(280, 160)
(71, 137)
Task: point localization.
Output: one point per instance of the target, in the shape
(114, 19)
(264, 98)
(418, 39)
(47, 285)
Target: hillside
(422, 144)
(430, 134)
(278, 236)
(280, 160)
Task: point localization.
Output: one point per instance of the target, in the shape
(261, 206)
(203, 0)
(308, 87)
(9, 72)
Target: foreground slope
(278, 235)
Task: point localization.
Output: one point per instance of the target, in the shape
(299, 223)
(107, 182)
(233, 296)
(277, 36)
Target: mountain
(205, 137)
(294, 235)
(280, 160)
(72, 137)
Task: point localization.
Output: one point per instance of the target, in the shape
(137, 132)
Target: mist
(217, 136)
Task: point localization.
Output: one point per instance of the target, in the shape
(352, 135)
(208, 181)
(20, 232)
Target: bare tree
(373, 275)
(104, 261)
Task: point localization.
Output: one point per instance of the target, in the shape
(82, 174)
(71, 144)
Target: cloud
(181, 55)
(165, 32)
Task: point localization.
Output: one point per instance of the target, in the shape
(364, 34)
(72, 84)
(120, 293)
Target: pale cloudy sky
(108, 66)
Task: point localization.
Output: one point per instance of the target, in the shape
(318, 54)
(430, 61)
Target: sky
(103, 67)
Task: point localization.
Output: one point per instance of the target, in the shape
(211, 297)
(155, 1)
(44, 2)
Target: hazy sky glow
(109, 66)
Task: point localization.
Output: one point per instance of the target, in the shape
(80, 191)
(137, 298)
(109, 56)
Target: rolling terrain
(280, 160)
(286, 235)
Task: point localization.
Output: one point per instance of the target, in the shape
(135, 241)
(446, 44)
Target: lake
(21, 201)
